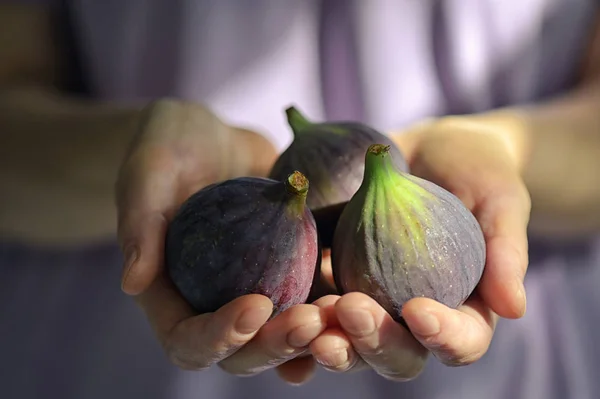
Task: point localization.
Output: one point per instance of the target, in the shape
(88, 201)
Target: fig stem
(297, 186)
(379, 149)
(296, 120)
(378, 161)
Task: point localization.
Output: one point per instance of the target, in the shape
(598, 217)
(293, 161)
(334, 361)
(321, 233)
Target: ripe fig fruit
(402, 237)
(331, 155)
(241, 236)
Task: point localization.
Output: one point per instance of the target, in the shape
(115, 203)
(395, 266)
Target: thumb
(145, 195)
(142, 242)
(409, 138)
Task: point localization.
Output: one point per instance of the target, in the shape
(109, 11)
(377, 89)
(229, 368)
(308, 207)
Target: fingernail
(302, 336)
(334, 359)
(425, 324)
(131, 256)
(252, 319)
(359, 322)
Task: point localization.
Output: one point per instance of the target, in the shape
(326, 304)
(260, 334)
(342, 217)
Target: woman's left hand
(478, 164)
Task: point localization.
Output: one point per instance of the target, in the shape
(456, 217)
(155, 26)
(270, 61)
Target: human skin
(158, 164)
(516, 168)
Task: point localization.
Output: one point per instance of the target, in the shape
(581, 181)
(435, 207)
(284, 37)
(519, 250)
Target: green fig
(331, 155)
(402, 237)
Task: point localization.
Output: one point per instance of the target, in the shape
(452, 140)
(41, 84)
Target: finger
(323, 283)
(385, 345)
(327, 272)
(333, 349)
(283, 338)
(143, 248)
(456, 337)
(327, 305)
(195, 342)
(297, 371)
(149, 192)
(301, 369)
(504, 220)
(408, 139)
(146, 197)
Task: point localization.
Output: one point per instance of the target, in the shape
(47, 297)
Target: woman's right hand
(179, 148)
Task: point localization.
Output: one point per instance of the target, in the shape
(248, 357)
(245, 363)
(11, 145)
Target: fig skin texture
(402, 237)
(331, 155)
(247, 235)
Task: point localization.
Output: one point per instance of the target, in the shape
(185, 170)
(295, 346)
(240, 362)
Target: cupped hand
(479, 164)
(178, 149)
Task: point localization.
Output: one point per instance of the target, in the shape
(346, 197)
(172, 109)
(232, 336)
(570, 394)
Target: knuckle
(302, 314)
(460, 359)
(415, 371)
(186, 359)
(402, 377)
(230, 368)
(298, 310)
(372, 350)
(190, 366)
(270, 352)
(405, 373)
(187, 363)
(232, 340)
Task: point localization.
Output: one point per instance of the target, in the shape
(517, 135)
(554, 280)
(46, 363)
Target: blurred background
(73, 72)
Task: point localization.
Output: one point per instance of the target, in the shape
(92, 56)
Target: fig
(241, 236)
(401, 237)
(331, 155)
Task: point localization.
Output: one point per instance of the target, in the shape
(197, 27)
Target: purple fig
(331, 155)
(242, 236)
(402, 237)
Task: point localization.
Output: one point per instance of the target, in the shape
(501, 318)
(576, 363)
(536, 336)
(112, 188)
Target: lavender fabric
(68, 331)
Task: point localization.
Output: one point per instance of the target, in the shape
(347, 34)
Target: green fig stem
(296, 120)
(297, 186)
(378, 162)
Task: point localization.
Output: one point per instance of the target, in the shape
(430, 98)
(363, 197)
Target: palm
(181, 148)
(476, 168)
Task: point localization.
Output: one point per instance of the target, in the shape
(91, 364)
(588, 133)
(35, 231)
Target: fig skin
(402, 237)
(242, 236)
(331, 155)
